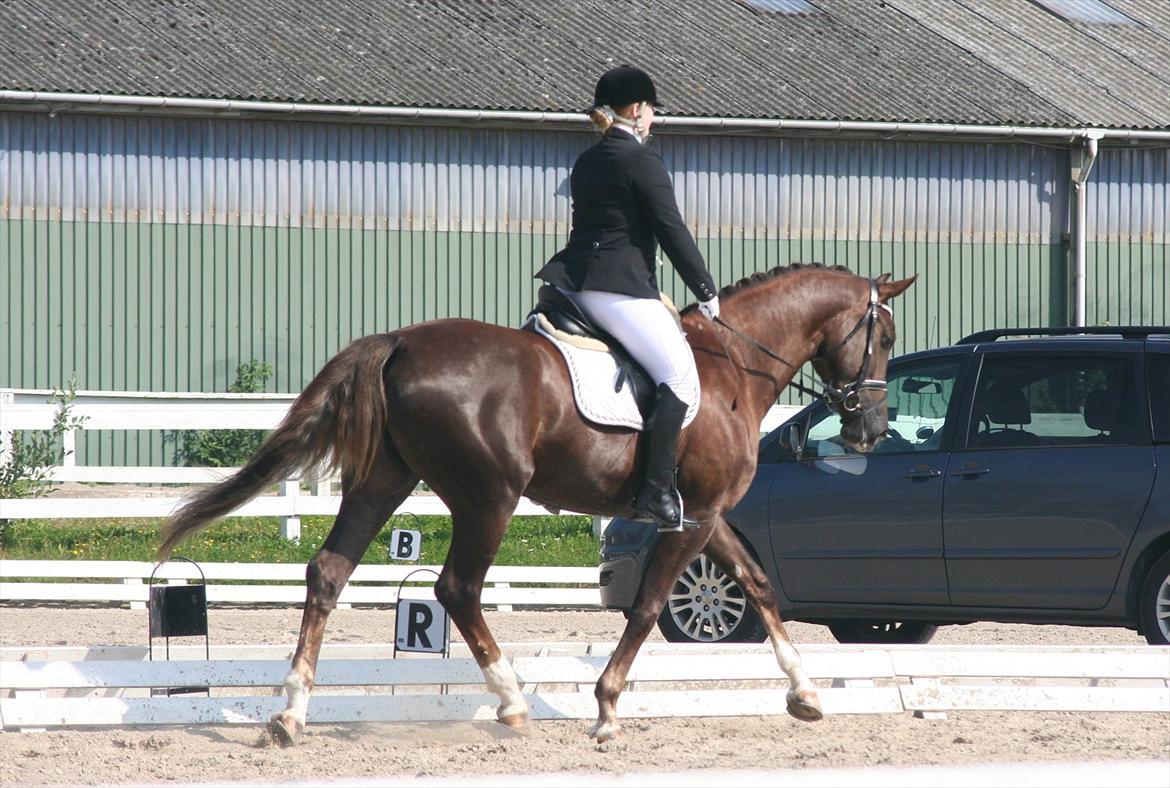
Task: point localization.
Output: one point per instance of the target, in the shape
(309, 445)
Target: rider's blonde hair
(603, 117)
(602, 120)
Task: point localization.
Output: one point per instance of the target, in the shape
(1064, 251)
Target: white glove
(710, 308)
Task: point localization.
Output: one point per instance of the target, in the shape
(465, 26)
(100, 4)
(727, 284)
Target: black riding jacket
(623, 207)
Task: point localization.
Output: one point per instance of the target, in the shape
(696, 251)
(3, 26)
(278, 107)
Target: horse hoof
(285, 732)
(604, 731)
(805, 705)
(516, 722)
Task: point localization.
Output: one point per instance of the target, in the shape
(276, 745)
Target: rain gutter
(57, 102)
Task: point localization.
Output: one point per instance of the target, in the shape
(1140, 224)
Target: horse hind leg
(477, 531)
(364, 511)
(726, 550)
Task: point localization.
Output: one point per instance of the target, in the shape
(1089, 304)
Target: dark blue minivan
(1023, 480)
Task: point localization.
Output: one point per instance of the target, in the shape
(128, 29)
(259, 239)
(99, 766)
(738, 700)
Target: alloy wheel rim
(705, 603)
(1162, 608)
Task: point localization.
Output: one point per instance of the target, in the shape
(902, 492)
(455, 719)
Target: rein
(744, 337)
(849, 396)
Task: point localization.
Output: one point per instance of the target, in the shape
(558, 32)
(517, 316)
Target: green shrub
(228, 448)
(24, 473)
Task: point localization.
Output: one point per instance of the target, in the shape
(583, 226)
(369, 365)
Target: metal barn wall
(159, 253)
(1129, 239)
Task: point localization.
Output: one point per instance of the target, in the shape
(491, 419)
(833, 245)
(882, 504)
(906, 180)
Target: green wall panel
(165, 307)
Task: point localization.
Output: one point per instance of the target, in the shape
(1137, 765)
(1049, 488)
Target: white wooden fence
(289, 505)
(58, 581)
(920, 679)
(108, 410)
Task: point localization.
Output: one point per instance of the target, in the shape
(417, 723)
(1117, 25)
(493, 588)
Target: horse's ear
(881, 280)
(887, 289)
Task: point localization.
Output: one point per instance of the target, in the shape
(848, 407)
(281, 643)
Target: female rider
(623, 207)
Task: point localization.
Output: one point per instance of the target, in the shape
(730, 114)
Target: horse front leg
(726, 550)
(477, 530)
(672, 553)
(363, 513)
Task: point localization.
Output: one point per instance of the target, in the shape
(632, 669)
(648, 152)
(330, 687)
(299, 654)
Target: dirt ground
(369, 751)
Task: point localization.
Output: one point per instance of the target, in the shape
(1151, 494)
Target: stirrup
(682, 524)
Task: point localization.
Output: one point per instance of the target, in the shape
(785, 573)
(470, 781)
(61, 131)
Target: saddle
(565, 319)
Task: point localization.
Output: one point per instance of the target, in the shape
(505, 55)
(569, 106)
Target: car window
(1047, 400)
(1158, 371)
(918, 400)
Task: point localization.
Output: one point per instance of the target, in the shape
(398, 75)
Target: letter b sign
(405, 545)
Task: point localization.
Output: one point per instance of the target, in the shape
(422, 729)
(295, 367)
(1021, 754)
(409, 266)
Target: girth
(565, 316)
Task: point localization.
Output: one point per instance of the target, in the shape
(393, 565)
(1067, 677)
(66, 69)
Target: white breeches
(649, 333)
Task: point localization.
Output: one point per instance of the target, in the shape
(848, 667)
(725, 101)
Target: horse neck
(786, 315)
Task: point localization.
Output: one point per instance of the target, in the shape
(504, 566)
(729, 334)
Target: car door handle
(970, 469)
(920, 472)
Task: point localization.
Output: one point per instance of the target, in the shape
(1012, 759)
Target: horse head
(851, 360)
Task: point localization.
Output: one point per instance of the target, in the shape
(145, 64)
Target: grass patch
(530, 541)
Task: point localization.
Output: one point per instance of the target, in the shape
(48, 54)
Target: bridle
(848, 397)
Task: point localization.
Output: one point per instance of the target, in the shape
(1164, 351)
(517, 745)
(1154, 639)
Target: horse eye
(887, 341)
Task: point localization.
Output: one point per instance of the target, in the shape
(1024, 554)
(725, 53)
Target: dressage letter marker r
(421, 626)
(405, 545)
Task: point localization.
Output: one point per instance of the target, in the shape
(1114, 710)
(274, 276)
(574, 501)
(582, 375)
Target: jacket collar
(627, 133)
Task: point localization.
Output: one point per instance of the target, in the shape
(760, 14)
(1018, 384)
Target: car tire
(707, 606)
(888, 632)
(1154, 603)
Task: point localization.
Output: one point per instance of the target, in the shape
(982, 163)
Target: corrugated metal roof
(1056, 60)
(953, 61)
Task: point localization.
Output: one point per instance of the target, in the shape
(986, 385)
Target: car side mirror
(915, 386)
(792, 440)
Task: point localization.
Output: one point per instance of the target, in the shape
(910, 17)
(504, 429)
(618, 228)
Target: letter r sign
(421, 626)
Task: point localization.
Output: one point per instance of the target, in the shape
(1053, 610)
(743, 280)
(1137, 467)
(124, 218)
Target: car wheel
(707, 606)
(890, 632)
(1154, 603)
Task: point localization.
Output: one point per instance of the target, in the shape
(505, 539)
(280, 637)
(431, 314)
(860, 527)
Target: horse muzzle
(865, 427)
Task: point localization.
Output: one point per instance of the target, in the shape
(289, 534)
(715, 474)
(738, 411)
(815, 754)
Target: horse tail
(337, 422)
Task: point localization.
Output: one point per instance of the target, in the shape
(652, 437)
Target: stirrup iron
(683, 523)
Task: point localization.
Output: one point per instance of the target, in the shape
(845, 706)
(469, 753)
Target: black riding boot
(657, 498)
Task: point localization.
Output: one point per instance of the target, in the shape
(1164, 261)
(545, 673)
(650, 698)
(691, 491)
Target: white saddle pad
(594, 372)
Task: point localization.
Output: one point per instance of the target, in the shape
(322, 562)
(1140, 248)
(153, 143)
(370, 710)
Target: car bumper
(625, 549)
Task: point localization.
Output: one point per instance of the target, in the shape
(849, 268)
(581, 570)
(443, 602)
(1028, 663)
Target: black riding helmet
(624, 85)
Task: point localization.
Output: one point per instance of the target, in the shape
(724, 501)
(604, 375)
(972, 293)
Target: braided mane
(782, 270)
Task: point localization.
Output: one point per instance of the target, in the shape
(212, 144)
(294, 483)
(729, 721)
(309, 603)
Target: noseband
(848, 396)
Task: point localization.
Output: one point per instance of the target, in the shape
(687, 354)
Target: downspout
(1081, 159)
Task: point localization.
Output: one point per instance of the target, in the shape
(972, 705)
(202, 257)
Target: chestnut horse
(485, 414)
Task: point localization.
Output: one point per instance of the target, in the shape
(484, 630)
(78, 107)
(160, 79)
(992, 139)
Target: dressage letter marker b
(421, 626)
(405, 545)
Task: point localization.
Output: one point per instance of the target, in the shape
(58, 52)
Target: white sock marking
(298, 696)
(790, 663)
(501, 680)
